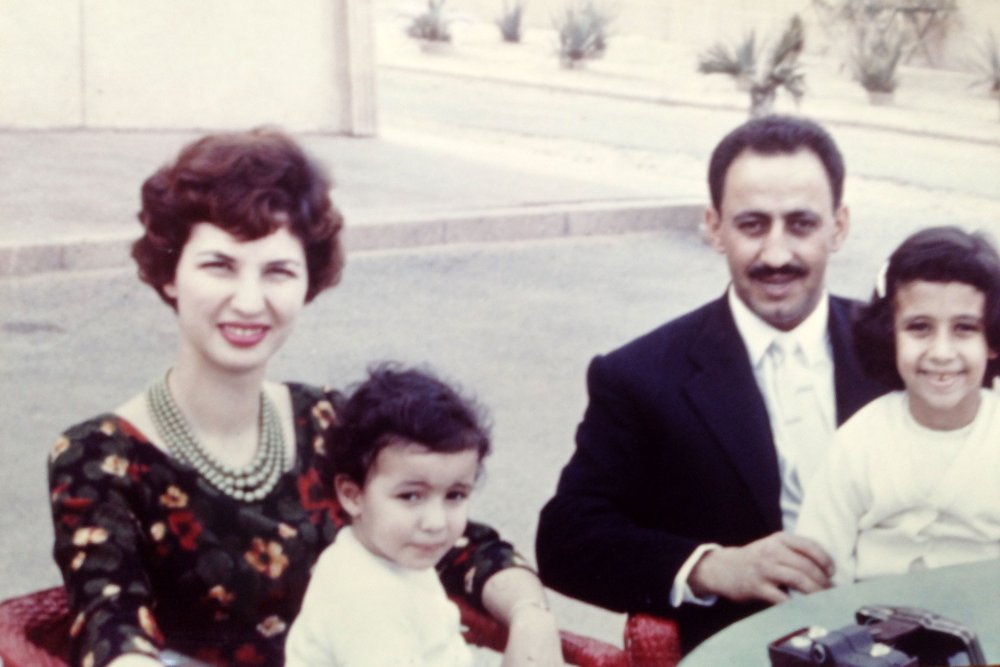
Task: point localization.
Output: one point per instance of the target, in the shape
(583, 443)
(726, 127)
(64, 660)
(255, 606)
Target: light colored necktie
(802, 433)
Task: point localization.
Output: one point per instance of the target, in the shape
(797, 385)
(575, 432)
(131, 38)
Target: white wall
(180, 64)
(40, 63)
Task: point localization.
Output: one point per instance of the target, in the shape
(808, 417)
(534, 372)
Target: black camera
(883, 637)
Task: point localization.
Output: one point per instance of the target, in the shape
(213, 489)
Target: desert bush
(875, 61)
(510, 21)
(988, 65)
(582, 28)
(761, 77)
(432, 24)
(739, 62)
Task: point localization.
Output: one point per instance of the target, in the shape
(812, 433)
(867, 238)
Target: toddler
(911, 480)
(407, 455)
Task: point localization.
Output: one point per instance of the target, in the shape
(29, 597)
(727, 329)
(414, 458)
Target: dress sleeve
(99, 544)
(478, 555)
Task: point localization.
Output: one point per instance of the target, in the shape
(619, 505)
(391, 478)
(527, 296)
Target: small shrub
(762, 80)
(431, 24)
(510, 21)
(989, 65)
(875, 61)
(739, 62)
(583, 31)
(924, 26)
(782, 70)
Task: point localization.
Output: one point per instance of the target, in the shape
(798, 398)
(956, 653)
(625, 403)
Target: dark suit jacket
(674, 450)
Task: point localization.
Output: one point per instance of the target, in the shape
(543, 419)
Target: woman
(189, 517)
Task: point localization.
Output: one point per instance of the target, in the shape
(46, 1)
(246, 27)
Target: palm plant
(783, 70)
(989, 65)
(875, 62)
(583, 32)
(780, 70)
(432, 24)
(740, 62)
(510, 20)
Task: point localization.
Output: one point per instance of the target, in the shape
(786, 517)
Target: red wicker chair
(34, 630)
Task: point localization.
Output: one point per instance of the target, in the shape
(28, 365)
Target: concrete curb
(468, 226)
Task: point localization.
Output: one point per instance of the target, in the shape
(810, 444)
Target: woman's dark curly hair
(249, 184)
(937, 255)
(396, 404)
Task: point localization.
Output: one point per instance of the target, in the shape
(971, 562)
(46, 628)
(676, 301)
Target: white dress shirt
(797, 457)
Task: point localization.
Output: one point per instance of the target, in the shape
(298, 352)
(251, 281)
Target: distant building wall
(187, 64)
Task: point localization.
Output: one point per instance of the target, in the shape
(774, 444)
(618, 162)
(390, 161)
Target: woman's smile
(243, 335)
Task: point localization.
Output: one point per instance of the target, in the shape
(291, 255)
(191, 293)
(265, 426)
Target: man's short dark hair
(396, 404)
(775, 135)
(937, 255)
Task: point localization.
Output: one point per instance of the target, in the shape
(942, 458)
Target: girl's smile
(941, 351)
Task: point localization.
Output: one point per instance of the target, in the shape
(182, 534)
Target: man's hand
(763, 570)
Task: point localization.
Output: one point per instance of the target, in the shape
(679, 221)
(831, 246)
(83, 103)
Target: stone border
(470, 226)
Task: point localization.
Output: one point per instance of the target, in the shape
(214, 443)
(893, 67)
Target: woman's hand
(533, 638)
(516, 597)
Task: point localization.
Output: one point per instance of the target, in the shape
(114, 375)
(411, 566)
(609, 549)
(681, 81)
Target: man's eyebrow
(751, 214)
(802, 213)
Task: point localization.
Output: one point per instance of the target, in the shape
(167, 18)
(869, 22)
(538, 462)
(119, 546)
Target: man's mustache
(762, 272)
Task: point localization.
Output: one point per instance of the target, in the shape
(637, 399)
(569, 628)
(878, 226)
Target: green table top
(968, 594)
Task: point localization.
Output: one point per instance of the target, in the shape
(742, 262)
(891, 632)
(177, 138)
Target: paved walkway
(69, 197)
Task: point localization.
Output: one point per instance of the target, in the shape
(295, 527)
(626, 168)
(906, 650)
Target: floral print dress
(153, 556)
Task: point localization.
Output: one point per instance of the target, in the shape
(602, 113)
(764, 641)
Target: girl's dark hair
(396, 404)
(938, 255)
(249, 184)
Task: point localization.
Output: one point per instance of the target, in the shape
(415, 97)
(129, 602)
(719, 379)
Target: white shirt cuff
(681, 593)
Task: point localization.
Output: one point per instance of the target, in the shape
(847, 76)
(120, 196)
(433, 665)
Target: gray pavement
(69, 198)
(480, 248)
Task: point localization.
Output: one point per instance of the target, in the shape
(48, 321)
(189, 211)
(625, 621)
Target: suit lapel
(726, 397)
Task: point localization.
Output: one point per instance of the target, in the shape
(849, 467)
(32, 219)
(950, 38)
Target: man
(690, 459)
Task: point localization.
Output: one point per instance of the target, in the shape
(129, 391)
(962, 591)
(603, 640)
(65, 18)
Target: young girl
(911, 480)
(407, 454)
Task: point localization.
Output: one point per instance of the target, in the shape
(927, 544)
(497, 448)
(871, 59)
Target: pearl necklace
(249, 483)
